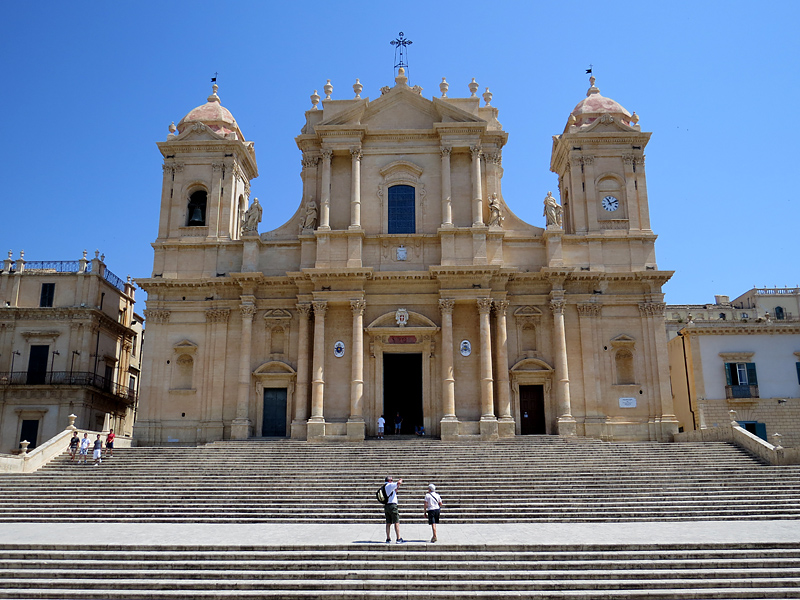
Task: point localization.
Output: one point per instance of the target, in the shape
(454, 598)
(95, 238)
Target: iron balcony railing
(68, 266)
(741, 391)
(78, 378)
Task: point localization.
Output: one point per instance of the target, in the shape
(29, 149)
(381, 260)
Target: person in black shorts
(74, 442)
(433, 506)
(390, 510)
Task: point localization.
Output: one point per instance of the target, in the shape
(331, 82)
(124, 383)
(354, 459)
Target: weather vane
(214, 78)
(400, 51)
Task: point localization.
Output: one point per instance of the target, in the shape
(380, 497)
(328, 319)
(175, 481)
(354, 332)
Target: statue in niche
(495, 215)
(252, 218)
(310, 220)
(553, 211)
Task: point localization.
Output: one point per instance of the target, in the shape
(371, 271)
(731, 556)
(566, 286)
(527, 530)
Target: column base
(669, 428)
(567, 426)
(506, 428)
(356, 431)
(315, 431)
(299, 430)
(448, 429)
(240, 429)
(489, 429)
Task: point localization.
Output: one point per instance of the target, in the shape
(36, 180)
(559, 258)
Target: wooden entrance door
(273, 423)
(531, 409)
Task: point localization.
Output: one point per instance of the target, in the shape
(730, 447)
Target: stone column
(566, 423)
(592, 391)
(316, 424)
(355, 189)
(477, 194)
(355, 424)
(506, 425)
(325, 199)
(656, 331)
(240, 428)
(488, 420)
(449, 423)
(301, 389)
(447, 210)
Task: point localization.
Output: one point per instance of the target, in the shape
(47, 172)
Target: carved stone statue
(252, 218)
(495, 215)
(553, 211)
(310, 220)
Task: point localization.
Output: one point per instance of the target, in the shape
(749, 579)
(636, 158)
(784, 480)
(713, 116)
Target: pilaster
(449, 422)
(488, 424)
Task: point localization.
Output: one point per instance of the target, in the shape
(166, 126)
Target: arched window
(196, 216)
(402, 218)
(722, 317)
(779, 314)
(624, 364)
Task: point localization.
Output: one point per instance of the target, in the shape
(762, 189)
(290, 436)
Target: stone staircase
(378, 571)
(532, 479)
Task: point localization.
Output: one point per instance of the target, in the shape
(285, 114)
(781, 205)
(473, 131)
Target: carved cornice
(737, 356)
(446, 305)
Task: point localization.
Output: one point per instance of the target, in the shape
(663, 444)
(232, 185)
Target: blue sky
(90, 87)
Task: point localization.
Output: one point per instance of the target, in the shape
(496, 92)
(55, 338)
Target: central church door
(402, 390)
(531, 409)
(273, 423)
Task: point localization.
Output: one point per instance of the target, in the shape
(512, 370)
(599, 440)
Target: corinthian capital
(320, 308)
(500, 307)
(356, 153)
(327, 154)
(304, 309)
(557, 306)
(589, 309)
(484, 305)
(358, 306)
(476, 151)
(446, 305)
(248, 311)
(445, 150)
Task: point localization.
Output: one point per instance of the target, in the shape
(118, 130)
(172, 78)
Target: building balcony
(733, 392)
(71, 378)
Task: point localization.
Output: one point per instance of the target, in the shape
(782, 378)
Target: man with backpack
(390, 510)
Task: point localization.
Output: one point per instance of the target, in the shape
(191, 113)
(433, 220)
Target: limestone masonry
(403, 283)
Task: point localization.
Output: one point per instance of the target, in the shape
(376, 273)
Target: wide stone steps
(531, 479)
(402, 571)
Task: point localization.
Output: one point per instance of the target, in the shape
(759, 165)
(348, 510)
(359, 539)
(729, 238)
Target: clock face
(610, 203)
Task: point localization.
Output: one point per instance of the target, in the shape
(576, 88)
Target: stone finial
(172, 128)
(97, 253)
(22, 254)
(592, 89)
(357, 88)
(487, 97)
(24, 444)
(732, 414)
(634, 118)
(401, 78)
(777, 440)
(72, 422)
(103, 257)
(213, 97)
(314, 100)
(84, 254)
(443, 87)
(10, 252)
(328, 89)
(473, 88)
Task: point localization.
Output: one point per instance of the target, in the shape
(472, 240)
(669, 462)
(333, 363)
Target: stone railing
(28, 462)
(773, 455)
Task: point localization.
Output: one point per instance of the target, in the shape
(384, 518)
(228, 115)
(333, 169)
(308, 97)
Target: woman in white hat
(433, 506)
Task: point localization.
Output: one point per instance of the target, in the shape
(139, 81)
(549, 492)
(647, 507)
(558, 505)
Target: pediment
(531, 364)
(622, 340)
(185, 347)
(198, 132)
(389, 320)
(527, 311)
(274, 367)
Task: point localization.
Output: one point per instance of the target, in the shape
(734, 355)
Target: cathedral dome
(213, 115)
(596, 105)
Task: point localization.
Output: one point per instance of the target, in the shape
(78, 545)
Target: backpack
(381, 494)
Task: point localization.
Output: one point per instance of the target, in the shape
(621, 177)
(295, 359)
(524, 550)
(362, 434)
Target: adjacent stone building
(404, 283)
(70, 343)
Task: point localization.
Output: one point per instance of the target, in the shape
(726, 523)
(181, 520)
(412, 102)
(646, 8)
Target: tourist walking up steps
(390, 510)
(433, 506)
(110, 443)
(381, 426)
(84, 452)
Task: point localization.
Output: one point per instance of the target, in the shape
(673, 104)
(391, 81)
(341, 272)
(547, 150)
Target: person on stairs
(98, 451)
(433, 506)
(390, 510)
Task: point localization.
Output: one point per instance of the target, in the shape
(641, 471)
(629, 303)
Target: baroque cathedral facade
(404, 283)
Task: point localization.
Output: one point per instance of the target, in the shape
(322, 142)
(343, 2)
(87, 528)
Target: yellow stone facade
(404, 283)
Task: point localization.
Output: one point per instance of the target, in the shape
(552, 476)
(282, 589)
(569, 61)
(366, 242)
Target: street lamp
(72, 364)
(53, 364)
(14, 354)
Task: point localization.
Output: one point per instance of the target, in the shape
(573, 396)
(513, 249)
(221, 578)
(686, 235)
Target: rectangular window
(797, 365)
(401, 205)
(741, 380)
(133, 345)
(48, 294)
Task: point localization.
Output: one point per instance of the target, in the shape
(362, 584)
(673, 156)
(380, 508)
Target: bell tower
(599, 160)
(208, 166)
